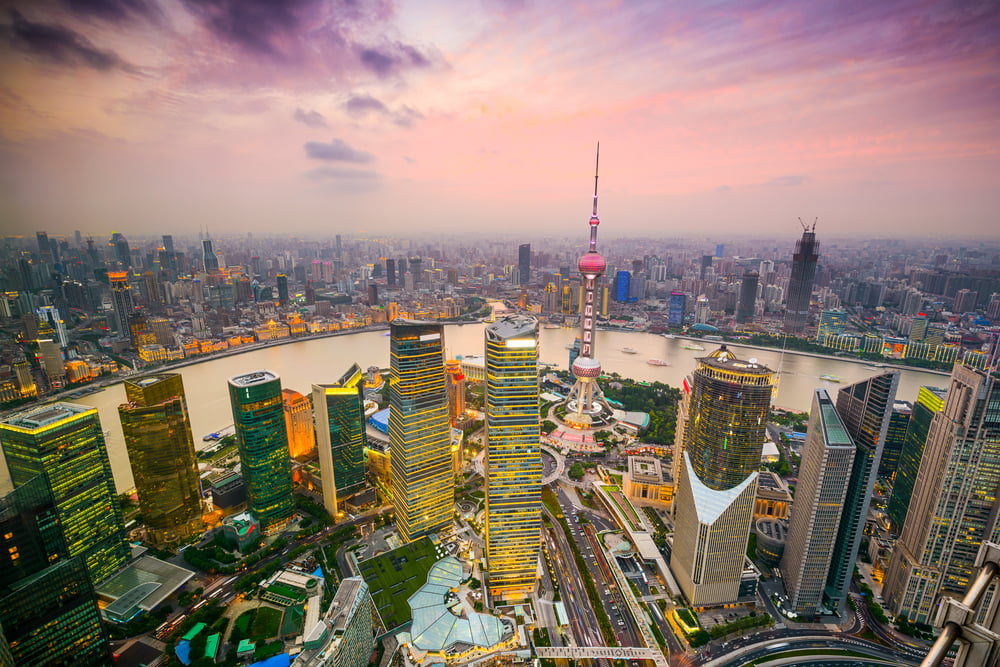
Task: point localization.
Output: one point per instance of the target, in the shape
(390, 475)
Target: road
(812, 642)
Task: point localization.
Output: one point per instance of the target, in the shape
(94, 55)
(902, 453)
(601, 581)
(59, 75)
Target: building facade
(420, 460)
(827, 457)
(157, 430)
(513, 461)
(64, 443)
(339, 415)
(929, 401)
(345, 636)
(259, 419)
(748, 297)
(298, 424)
(899, 422)
(801, 282)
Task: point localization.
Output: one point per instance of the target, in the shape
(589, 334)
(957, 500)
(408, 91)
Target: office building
(801, 282)
(954, 502)
(282, 280)
(748, 297)
(423, 488)
(524, 264)
(122, 251)
(345, 636)
(621, 286)
(513, 464)
(895, 437)
(262, 438)
(209, 260)
(298, 424)
(339, 415)
(51, 360)
(390, 272)
(719, 437)
(157, 430)
(827, 457)
(864, 408)
(676, 307)
(456, 390)
(48, 609)
(65, 443)
(830, 322)
(929, 400)
(121, 300)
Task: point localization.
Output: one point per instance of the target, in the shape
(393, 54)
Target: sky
(443, 118)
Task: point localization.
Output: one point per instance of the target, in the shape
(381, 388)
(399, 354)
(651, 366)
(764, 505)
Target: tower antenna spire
(597, 165)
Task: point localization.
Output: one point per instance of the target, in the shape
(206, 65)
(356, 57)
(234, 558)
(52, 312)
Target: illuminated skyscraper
(423, 491)
(954, 503)
(513, 463)
(929, 400)
(65, 443)
(586, 400)
(157, 430)
(298, 424)
(801, 282)
(456, 389)
(827, 457)
(339, 414)
(48, 610)
(719, 438)
(263, 443)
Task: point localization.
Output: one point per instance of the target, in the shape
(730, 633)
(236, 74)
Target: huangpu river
(303, 363)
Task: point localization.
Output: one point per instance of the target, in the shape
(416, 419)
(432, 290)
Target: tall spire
(597, 165)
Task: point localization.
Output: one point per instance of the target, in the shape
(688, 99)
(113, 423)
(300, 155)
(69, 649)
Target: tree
(576, 471)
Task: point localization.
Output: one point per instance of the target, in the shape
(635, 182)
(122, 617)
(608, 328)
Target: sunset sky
(159, 116)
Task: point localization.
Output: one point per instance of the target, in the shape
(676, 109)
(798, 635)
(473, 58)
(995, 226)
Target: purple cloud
(342, 173)
(406, 116)
(359, 105)
(116, 11)
(336, 151)
(392, 58)
(60, 45)
(260, 27)
(310, 118)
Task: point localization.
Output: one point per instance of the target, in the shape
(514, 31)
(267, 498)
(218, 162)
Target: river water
(302, 363)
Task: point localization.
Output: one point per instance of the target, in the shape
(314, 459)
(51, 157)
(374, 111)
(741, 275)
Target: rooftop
(46, 415)
(251, 379)
(512, 326)
(142, 585)
(710, 503)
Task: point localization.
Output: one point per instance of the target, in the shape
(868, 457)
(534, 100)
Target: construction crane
(806, 227)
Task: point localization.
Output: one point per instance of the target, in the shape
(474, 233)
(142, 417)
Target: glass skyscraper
(48, 611)
(259, 418)
(339, 415)
(157, 430)
(65, 443)
(929, 401)
(513, 464)
(800, 283)
(899, 422)
(423, 491)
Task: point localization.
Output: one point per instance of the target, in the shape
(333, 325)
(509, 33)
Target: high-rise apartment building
(64, 443)
(48, 610)
(157, 430)
(259, 418)
(423, 491)
(513, 463)
(719, 437)
(524, 264)
(929, 400)
(864, 408)
(954, 503)
(748, 297)
(339, 414)
(801, 282)
(827, 458)
(298, 424)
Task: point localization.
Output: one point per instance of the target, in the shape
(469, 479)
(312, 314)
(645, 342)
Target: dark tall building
(675, 312)
(524, 264)
(929, 401)
(894, 439)
(44, 250)
(417, 270)
(122, 251)
(864, 408)
(259, 417)
(282, 281)
(168, 243)
(706, 263)
(801, 282)
(64, 443)
(160, 447)
(748, 297)
(390, 272)
(621, 286)
(48, 610)
(121, 299)
(339, 416)
(209, 260)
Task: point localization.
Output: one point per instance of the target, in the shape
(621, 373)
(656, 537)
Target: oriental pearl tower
(586, 400)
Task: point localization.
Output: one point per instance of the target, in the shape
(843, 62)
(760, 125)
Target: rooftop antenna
(597, 165)
(807, 228)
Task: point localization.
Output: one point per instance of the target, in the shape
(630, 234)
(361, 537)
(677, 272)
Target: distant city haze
(319, 117)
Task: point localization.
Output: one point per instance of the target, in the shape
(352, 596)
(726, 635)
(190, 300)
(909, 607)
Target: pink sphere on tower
(592, 264)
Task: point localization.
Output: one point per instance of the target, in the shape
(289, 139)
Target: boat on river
(829, 378)
(630, 350)
(657, 362)
(693, 346)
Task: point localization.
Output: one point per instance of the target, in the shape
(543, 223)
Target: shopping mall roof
(380, 420)
(141, 586)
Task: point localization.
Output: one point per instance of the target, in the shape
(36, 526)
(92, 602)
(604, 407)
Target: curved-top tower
(586, 400)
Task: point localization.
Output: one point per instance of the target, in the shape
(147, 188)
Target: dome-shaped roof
(592, 263)
(586, 367)
(594, 221)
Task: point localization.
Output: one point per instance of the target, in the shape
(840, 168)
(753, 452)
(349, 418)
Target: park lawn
(394, 576)
(258, 624)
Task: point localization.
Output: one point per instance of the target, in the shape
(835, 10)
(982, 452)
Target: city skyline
(879, 119)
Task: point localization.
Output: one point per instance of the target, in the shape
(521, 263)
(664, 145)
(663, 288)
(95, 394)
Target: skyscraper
(122, 251)
(513, 463)
(339, 415)
(298, 424)
(864, 408)
(48, 610)
(282, 281)
(720, 434)
(954, 503)
(157, 430)
(65, 443)
(259, 419)
(390, 272)
(929, 401)
(121, 300)
(423, 491)
(675, 312)
(748, 297)
(827, 458)
(895, 437)
(801, 282)
(209, 260)
(524, 264)
(586, 400)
